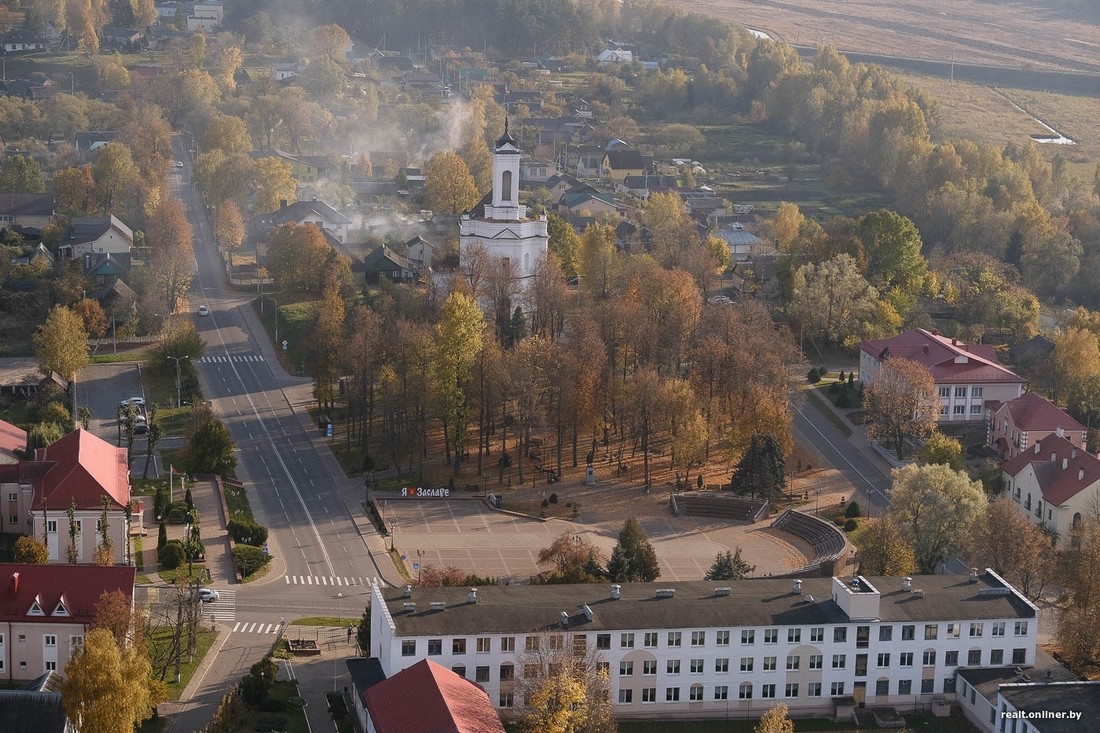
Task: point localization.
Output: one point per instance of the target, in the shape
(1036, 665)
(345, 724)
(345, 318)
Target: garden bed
(304, 647)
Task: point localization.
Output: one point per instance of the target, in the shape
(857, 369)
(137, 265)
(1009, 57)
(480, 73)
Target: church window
(506, 186)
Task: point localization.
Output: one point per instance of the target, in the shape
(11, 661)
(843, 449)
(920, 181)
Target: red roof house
(85, 468)
(1054, 483)
(11, 440)
(1012, 427)
(967, 376)
(428, 698)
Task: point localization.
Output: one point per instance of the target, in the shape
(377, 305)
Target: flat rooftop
(1082, 699)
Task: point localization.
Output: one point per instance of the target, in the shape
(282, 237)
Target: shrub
(853, 510)
(162, 535)
(553, 498)
(272, 705)
(843, 401)
(254, 689)
(834, 388)
(841, 377)
(171, 555)
(822, 372)
(176, 512)
(812, 376)
(249, 559)
(850, 525)
(247, 532)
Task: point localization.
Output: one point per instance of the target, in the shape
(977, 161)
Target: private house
(383, 262)
(21, 378)
(88, 141)
(1055, 483)
(617, 164)
(1012, 427)
(429, 697)
(205, 17)
(39, 254)
(365, 673)
(96, 234)
(127, 40)
(967, 376)
(26, 210)
(561, 183)
(306, 169)
(45, 610)
(744, 245)
(19, 40)
(82, 469)
(419, 253)
(615, 56)
(587, 203)
(104, 269)
(535, 171)
(284, 70)
(644, 186)
(426, 83)
(315, 212)
(12, 439)
(694, 650)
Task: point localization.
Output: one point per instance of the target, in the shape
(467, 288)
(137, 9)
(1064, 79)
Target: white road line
(309, 579)
(287, 578)
(236, 626)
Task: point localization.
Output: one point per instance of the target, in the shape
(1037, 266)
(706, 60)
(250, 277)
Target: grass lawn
(295, 321)
(338, 621)
(142, 579)
(163, 635)
(16, 412)
(826, 390)
(109, 357)
(291, 720)
(198, 573)
(237, 501)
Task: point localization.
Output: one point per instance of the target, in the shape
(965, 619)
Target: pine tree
(188, 500)
(160, 502)
(633, 559)
(162, 536)
(729, 566)
(760, 470)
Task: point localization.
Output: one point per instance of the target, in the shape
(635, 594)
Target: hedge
(247, 532)
(249, 559)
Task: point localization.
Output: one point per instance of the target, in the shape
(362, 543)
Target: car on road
(208, 595)
(203, 310)
(138, 402)
(178, 164)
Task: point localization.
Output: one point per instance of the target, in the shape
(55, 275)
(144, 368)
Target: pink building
(1013, 427)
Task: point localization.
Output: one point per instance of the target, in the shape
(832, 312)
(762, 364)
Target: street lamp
(419, 565)
(179, 400)
(276, 315)
(393, 527)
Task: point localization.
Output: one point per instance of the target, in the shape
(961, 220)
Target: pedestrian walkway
(223, 610)
(258, 627)
(324, 580)
(236, 358)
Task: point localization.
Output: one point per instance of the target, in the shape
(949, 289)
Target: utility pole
(179, 400)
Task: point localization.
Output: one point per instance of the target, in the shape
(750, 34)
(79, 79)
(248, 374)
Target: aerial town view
(549, 366)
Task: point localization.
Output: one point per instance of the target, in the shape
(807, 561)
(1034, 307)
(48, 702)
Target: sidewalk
(324, 673)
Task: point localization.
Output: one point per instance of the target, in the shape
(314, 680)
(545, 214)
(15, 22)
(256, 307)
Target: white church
(499, 223)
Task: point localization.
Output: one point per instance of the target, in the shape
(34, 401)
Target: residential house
(533, 172)
(21, 378)
(587, 203)
(80, 469)
(26, 210)
(1011, 427)
(103, 269)
(744, 245)
(19, 40)
(426, 83)
(45, 610)
(37, 88)
(560, 184)
(383, 262)
(966, 375)
(306, 169)
(394, 63)
(429, 697)
(557, 66)
(35, 708)
(693, 650)
(205, 17)
(284, 70)
(88, 141)
(37, 254)
(615, 56)
(414, 177)
(313, 212)
(127, 40)
(644, 186)
(365, 673)
(618, 164)
(1055, 483)
(13, 440)
(96, 234)
(419, 253)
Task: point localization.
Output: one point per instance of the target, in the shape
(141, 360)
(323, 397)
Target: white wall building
(820, 645)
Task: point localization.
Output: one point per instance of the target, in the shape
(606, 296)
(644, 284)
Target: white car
(207, 595)
(203, 310)
(178, 164)
(135, 401)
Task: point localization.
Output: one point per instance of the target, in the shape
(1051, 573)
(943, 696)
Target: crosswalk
(260, 627)
(237, 358)
(223, 610)
(323, 580)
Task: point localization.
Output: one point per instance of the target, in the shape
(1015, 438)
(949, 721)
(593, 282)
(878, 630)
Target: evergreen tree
(729, 566)
(160, 502)
(760, 470)
(362, 635)
(188, 500)
(633, 559)
(162, 536)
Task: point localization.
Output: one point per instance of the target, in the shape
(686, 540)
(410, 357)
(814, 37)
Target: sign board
(416, 566)
(284, 344)
(416, 492)
(328, 430)
(264, 548)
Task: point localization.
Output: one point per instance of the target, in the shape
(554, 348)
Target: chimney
(796, 586)
(616, 590)
(15, 582)
(565, 619)
(954, 342)
(472, 596)
(282, 203)
(1080, 474)
(409, 607)
(1037, 446)
(407, 591)
(924, 348)
(935, 332)
(1065, 463)
(1060, 432)
(907, 584)
(973, 575)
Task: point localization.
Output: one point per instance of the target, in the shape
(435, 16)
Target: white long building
(675, 650)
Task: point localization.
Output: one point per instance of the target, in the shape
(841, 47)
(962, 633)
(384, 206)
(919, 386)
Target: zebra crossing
(246, 627)
(324, 580)
(237, 358)
(222, 610)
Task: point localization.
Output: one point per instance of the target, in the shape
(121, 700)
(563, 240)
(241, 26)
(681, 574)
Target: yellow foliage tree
(449, 188)
(108, 689)
(775, 721)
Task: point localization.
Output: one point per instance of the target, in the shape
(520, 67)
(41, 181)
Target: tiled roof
(428, 698)
(624, 159)
(85, 467)
(12, 438)
(300, 210)
(27, 204)
(81, 586)
(1030, 411)
(1059, 485)
(949, 360)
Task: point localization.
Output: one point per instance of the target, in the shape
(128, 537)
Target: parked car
(178, 164)
(135, 401)
(203, 310)
(207, 595)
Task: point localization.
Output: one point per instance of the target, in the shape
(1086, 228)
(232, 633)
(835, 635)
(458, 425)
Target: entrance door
(860, 694)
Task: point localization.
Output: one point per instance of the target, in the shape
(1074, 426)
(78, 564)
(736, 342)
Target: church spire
(505, 139)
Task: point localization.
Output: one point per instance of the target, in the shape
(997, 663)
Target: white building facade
(822, 646)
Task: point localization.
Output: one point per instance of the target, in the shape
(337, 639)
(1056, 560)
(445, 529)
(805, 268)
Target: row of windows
(960, 392)
(675, 639)
(961, 409)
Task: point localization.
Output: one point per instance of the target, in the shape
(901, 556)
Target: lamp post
(419, 566)
(393, 527)
(276, 316)
(179, 399)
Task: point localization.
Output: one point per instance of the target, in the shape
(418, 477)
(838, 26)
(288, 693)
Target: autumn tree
(633, 559)
(20, 174)
(230, 227)
(115, 613)
(775, 720)
(107, 689)
(935, 508)
(1075, 363)
(901, 403)
(296, 254)
(228, 134)
(325, 344)
(210, 449)
(832, 300)
(115, 176)
(479, 161)
(459, 333)
(760, 472)
(1078, 634)
(940, 448)
(1003, 538)
(30, 551)
(892, 246)
(61, 343)
(573, 558)
(564, 692)
(448, 187)
(596, 259)
(74, 190)
(785, 225)
(729, 566)
(172, 261)
(275, 183)
(330, 41)
(883, 550)
(91, 313)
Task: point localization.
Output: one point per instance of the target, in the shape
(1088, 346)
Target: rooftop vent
(1065, 463)
(987, 592)
(722, 591)
(471, 597)
(666, 592)
(439, 605)
(15, 582)
(616, 591)
(808, 598)
(1038, 447)
(587, 611)
(1050, 675)
(918, 592)
(410, 607)
(1080, 474)
(407, 591)
(973, 575)
(907, 584)
(565, 619)
(1060, 432)
(796, 586)
(854, 584)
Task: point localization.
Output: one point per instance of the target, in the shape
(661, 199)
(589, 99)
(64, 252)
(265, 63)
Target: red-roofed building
(429, 698)
(1012, 427)
(80, 468)
(967, 376)
(45, 611)
(1055, 483)
(12, 439)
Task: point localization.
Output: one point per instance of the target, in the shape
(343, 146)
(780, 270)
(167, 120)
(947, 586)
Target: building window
(531, 644)
(603, 641)
(884, 660)
(943, 409)
(13, 497)
(695, 693)
(697, 666)
(459, 669)
(672, 694)
(435, 647)
(481, 674)
(793, 661)
(506, 186)
(975, 630)
(771, 636)
(484, 645)
(672, 666)
(974, 657)
(815, 661)
(905, 687)
(626, 669)
(953, 631)
(649, 641)
(906, 659)
(960, 392)
(840, 634)
(997, 656)
(951, 659)
(674, 638)
(722, 665)
(975, 409)
(945, 392)
(836, 689)
(722, 638)
(929, 659)
(931, 631)
(794, 636)
(817, 634)
(51, 666)
(649, 668)
(748, 636)
(746, 664)
(975, 391)
(908, 632)
(507, 700)
(958, 410)
(626, 697)
(792, 690)
(838, 661)
(1018, 629)
(744, 691)
(50, 640)
(408, 648)
(698, 638)
(885, 633)
(927, 686)
(1019, 656)
(458, 646)
(626, 641)
(767, 691)
(998, 629)
(507, 672)
(949, 685)
(649, 695)
(721, 692)
(769, 664)
(556, 643)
